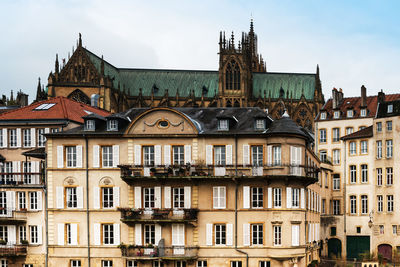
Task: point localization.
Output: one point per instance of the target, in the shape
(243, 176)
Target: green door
(334, 248)
(357, 245)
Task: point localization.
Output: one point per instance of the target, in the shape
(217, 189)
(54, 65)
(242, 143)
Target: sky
(354, 42)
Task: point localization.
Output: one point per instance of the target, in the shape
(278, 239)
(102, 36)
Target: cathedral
(242, 80)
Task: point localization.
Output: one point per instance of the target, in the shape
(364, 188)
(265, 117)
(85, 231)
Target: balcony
(160, 252)
(13, 250)
(160, 216)
(24, 179)
(7, 215)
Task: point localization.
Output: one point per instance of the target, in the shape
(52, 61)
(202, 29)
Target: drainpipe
(344, 186)
(236, 204)
(87, 197)
(44, 173)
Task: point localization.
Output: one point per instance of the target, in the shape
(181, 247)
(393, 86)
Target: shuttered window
(257, 155)
(107, 156)
(71, 156)
(257, 197)
(178, 155)
(219, 197)
(149, 197)
(219, 155)
(257, 234)
(220, 234)
(150, 234)
(108, 234)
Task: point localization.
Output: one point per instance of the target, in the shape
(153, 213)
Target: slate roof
(382, 109)
(286, 125)
(363, 133)
(39, 153)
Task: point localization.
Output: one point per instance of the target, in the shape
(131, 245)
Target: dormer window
(112, 125)
(363, 112)
(260, 124)
(336, 114)
(350, 113)
(223, 125)
(90, 125)
(390, 108)
(323, 116)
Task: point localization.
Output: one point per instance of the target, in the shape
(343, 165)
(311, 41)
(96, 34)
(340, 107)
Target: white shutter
(46, 130)
(138, 234)
(188, 197)
(12, 234)
(138, 197)
(18, 170)
(96, 197)
(295, 234)
(288, 197)
(115, 155)
(79, 156)
(36, 169)
(79, 193)
(269, 197)
(138, 155)
(229, 234)
(167, 155)
(309, 199)
(175, 233)
(19, 137)
(33, 137)
(157, 234)
(269, 159)
(96, 229)
(246, 234)
(40, 234)
(209, 157)
(116, 197)
(5, 138)
(117, 239)
(60, 157)
(312, 200)
(302, 199)
(209, 234)
(96, 156)
(74, 234)
(39, 200)
(246, 155)
(10, 200)
(157, 155)
(167, 197)
(246, 197)
(188, 154)
(157, 200)
(229, 155)
(60, 197)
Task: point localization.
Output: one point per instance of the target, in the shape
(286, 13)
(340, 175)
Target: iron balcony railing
(9, 214)
(21, 178)
(152, 252)
(13, 250)
(158, 215)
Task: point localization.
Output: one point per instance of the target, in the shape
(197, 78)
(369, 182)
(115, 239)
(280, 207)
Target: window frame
(277, 197)
(71, 156)
(257, 234)
(108, 233)
(219, 197)
(27, 137)
(223, 125)
(107, 156)
(389, 176)
(220, 234)
(322, 136)
(277, 235)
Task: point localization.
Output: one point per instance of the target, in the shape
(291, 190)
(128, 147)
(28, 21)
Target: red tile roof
(363, 133)
(64, 108)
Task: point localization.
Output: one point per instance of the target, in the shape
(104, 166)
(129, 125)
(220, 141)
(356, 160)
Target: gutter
(46, 262)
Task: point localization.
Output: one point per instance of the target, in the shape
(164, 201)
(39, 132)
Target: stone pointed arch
(79, 96)
(303, 116)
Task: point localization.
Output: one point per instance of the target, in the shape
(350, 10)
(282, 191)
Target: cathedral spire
(102, 65)
(80, 39)
(57, 66)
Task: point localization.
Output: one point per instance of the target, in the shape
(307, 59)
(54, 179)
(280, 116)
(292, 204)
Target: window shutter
(209, 234)
(188, 197)
(229, 234)
(269, 197)
(138, 156)
(138, 197)
(229, 155)
(18, 170)
(115, 155)
(36, 169)
(295, 234)
(246, 197)
(60, 197)
(96, 197)
(33, 137)
(157, 234)
(14, 169)
(157, 155)
(96, 229)
(209, 157)
(74, 234)
(181, 235)
(117, 239)
(175, 234)
(167, 197)
(269, 151)
(312, 201)
(5, 138)
(40, 235)
(60, 157)
(188, 154)
(116, 197)
(246, 234)
(157, 200)
(46, 130)
(18, 137)
(302, 199)
(288, 197)
(167, 155)
(138, 234)
(10, 201)
(79, 156)
(39, 200)
(309, 199)
(96, 156)
(12, 234)
(79, 192)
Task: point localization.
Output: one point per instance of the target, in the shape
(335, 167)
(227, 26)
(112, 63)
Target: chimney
(340, 96)
(381, 96)
(363, 96)
(334, 98)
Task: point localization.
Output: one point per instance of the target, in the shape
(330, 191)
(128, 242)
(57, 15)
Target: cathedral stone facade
(242, 80)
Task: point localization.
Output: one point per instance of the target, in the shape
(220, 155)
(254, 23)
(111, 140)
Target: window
(107, 197)
(379, 127)
(322, 155)
(232, 76)
(336, 156)
(75, 263)
(277, 235)
(336, 207)
(362, 127)
(21, 200)
(157, 263)
(27, 167)
(148, 155)
(27, 137)
(257, 234)
(3, 263)
(336, 181)
(219, 155)
(364, 147)
(68, 231)
(201, 264)
(323, 208)
(22, 233)
(71, 197)
(378, 149)
(219, 199)
(364, 173)
(1, 138)
(131, 263)
(4, 233)
(353, 174)
(264, 264)
(71, 156)
(364, 204)
(277, 197)
(389, 126)
(33, 229)
(380, 203)
(358, 230)
(179, 198)
(13, 137)
(277, 155)
(149, 197)
(390, 203)
(335, 135)
(323, 116)
(178, 155)
(363, 112)
(112, 125)
(257, 197)
(389, 176)
(41, 138)
(106, 263)
(236, 264)
(394, 229)
(223, 125)
(322, 136)
(180, 264)
(108, 234)
(389, 148)
(381, 229)
(149, 234)
(3, 202)
(33, 198)
(353, 148)
(257, 155)
(220, 234)
(349, 130)
(89, 125)
(353, 205)
(333, 231)
(379, 176)
(260, 124)
(55, 130)
(107, 156)
(295, 197)
(390, 108)
(350, 113)
(336, 114)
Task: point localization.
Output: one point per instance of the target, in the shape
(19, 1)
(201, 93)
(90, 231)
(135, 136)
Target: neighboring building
(22, 195)
(7, 104)
(183, 187)
(242, 80)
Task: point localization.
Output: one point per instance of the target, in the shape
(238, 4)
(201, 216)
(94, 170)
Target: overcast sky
(354, 42)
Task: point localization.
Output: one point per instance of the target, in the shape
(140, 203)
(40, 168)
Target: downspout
(44, 177)
(344, 187)
(236, 203)
(87, 197)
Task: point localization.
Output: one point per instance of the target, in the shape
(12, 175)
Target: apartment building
(183, 187)
(22, 184)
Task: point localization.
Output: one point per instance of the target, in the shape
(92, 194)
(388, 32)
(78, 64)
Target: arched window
(232, 76)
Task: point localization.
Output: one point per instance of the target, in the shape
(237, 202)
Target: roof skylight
(44, 106)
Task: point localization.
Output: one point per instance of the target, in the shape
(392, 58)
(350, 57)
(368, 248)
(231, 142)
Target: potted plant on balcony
(24, 242)
(148, 249)
(3, 242)
(153, 171)
(123, 247)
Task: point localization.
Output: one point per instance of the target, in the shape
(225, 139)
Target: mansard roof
(383, 110)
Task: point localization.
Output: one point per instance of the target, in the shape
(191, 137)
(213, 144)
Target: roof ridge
(25, 107)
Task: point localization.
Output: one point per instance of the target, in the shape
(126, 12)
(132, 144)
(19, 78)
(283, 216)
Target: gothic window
(80, 72)
(232, 76)
(79, 96)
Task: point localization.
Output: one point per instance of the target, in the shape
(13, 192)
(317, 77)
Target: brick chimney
(381, 96)
(334, 98)
(363, 96)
